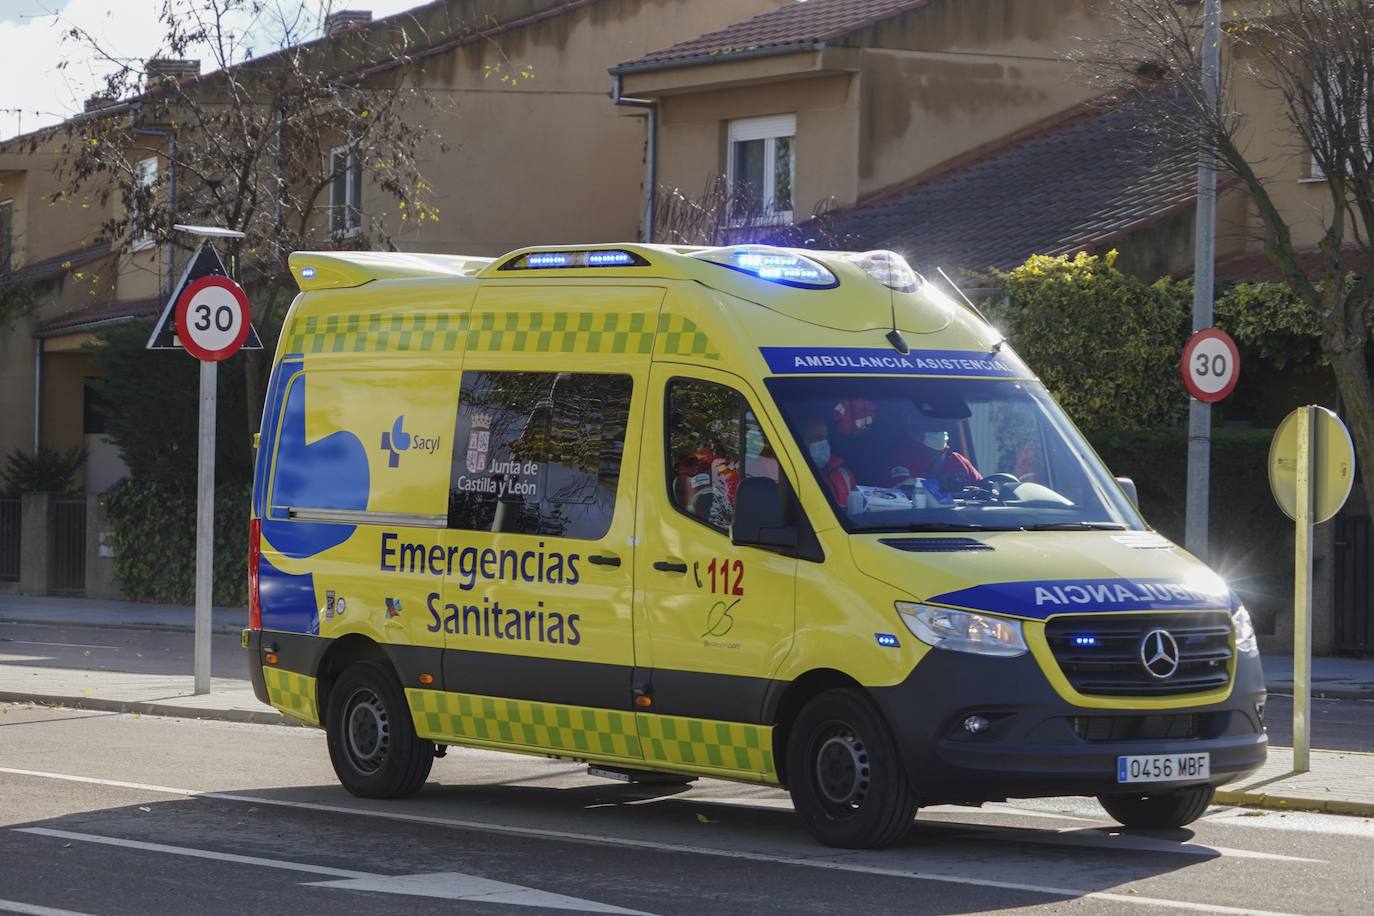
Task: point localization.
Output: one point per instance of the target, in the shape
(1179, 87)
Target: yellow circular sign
(1333, 464)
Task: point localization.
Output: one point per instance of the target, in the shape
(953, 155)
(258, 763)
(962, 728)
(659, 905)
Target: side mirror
(1128, 485)
(759, 516)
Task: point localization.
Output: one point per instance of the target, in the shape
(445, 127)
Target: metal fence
(1354, 586)
(11, 515)
(69, 546)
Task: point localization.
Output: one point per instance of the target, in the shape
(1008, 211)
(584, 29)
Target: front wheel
(372, 740)
(845, 773)
(1167, 809)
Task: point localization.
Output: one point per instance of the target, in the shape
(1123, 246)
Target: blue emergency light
(543, 260)
(1085, 640)
(887, 640)
(776, 265)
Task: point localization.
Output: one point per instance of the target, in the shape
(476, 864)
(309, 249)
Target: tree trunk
(1352, 380)
(254, 364)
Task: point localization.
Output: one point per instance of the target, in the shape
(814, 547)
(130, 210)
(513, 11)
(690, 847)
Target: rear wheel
(372, 740)
(1166, 809)
(845, 774)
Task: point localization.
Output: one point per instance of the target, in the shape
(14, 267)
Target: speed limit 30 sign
(212, 318)
(1210, 365)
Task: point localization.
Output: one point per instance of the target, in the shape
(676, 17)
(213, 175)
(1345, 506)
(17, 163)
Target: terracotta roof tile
(798, 23)
(1072, 186)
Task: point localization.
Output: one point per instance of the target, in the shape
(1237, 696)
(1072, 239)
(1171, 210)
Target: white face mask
(936, 440)
(820, 452)
(753, 443)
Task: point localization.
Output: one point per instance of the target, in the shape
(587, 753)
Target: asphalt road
(111, 814)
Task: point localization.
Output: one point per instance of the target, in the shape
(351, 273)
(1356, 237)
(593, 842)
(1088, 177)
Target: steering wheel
(996, 483)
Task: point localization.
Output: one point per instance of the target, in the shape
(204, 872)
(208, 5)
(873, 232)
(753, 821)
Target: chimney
(172, 68)
(344, 20)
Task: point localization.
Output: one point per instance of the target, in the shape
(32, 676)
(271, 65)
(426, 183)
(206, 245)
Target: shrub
(154, 531)
(43, 471)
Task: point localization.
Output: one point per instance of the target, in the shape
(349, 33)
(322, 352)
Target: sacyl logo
(395, 442)
(1159, 653)
(398, 440)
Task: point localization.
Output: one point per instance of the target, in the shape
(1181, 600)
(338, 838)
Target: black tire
(1167, 809)
(371, 737)
(845, 774)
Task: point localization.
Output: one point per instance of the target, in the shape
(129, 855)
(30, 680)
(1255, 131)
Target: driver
(925, 452)
(839, 480)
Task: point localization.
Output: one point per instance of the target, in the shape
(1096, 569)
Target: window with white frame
(345, 191)
(760, 168)
(1319, 125)
(146, 174)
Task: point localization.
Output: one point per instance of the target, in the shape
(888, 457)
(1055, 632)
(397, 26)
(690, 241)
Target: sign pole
(1302, 592)
(205, 525)
(1204, 259)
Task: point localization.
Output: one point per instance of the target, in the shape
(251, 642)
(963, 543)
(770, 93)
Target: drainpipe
(37, 394)
(650, 153)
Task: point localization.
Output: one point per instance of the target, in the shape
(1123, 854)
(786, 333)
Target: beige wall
(547, 158)
(693, 127)
(16, 387)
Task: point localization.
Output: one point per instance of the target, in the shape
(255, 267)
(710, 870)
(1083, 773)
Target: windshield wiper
(1075, 526)
(942, 526)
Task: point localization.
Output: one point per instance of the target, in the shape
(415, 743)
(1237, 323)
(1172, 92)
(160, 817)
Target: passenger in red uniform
(839, 480)
(926, 453)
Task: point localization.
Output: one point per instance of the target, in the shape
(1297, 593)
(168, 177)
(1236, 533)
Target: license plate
(1163, 767)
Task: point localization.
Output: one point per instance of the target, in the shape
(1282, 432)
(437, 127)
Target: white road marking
(447, 885)
(14, 906)
(452, 885)
(627, 842)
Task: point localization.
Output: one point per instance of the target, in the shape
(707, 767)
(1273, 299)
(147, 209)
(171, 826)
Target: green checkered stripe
(501, 332)
(574, 730)
(292, 693)
(377, 333)
(706, 743)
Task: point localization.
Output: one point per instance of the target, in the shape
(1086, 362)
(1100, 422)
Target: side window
(538, 452)
(712, 435)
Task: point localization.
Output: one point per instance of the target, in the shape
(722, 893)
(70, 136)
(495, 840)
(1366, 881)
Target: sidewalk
(129, 615)
(1340, 782)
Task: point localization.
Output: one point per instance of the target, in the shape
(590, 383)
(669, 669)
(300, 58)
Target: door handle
(672, 566)
(597, 559)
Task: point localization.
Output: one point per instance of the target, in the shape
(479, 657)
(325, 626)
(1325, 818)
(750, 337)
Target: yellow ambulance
(795, 518)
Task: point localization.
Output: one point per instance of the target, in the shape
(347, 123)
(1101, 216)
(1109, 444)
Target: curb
(1295, 803)
(153, 708)
(1324, 693)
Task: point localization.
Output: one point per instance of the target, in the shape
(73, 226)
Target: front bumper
(1039, 744)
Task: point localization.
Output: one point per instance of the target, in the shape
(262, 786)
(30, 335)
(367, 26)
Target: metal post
(1204, 258)
(1302, 591)
(205, 525)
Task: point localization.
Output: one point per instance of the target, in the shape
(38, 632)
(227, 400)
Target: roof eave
(654, 66)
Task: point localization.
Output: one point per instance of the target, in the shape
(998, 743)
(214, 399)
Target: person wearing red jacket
(839, 480)
(927, 454)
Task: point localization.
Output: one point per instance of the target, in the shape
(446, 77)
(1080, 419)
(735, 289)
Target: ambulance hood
(1037, 574)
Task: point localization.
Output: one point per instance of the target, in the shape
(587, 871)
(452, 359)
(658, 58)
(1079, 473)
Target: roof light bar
(604, 257)
(776, 265)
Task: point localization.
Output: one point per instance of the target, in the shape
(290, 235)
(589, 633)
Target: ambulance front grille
(1100, 654)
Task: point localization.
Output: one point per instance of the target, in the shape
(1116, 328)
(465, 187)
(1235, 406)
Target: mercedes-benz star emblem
(1159, 653)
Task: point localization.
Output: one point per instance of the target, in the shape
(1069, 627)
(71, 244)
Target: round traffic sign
(212, 318)
(1333, 464)
(1210, 365)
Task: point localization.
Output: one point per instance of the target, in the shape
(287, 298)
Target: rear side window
(538, 452)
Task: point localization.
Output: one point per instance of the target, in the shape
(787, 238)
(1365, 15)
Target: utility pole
(1204, 260)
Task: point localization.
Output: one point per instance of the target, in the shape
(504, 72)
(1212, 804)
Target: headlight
(962, 631)
(1246, 641)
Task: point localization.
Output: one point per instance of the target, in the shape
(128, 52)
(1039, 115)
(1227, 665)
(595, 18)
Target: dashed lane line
(839, 864)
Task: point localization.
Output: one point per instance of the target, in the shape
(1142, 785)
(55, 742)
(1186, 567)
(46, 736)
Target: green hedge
(154, 532)
(1251, 540)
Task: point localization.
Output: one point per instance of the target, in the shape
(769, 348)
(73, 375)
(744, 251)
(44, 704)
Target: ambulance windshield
(942, 454)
